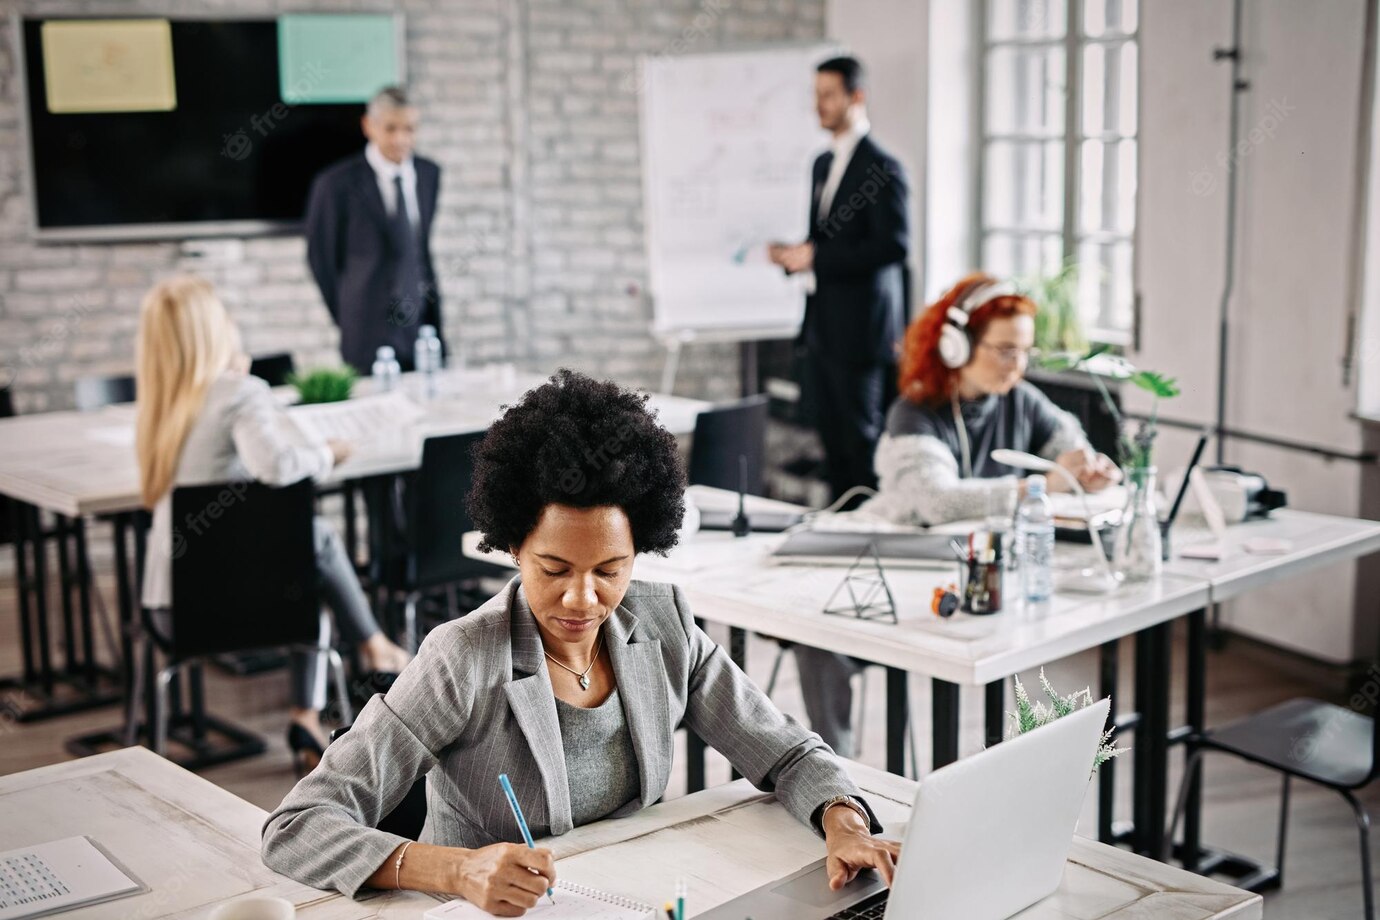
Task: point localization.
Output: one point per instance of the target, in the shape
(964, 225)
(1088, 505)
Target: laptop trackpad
(813, 888)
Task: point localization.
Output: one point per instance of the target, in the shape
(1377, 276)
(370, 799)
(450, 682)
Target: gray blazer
(477, 701)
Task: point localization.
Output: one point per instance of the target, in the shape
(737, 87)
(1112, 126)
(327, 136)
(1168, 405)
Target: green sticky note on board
(333, 58)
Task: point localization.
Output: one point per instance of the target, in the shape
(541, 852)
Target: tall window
(1058, 179)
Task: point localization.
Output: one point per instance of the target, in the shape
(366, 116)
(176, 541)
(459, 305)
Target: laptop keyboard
(871, 909)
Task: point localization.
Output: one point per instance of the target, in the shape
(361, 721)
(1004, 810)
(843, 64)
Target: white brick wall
(529, 106)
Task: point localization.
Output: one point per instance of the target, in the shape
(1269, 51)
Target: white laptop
(988, 837)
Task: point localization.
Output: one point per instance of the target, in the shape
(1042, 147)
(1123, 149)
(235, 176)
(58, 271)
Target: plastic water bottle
(1035, 537)
(386, 371)
(428, 356)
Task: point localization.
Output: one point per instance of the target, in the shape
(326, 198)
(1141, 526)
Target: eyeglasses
(1011, 354)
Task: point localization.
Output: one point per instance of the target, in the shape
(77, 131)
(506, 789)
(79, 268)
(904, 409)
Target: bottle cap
(385, 353)
(426, 331)
(1035, 484)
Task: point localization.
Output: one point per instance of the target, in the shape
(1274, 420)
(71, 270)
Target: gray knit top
(600, 763)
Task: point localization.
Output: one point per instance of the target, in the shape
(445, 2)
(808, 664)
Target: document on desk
(572, 902)
(356, 420)
(59, 875)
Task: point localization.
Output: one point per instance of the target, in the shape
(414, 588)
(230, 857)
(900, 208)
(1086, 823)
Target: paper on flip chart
(356, 420)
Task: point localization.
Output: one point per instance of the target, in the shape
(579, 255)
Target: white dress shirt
(843, 145)
(385, 170)
(241, 433)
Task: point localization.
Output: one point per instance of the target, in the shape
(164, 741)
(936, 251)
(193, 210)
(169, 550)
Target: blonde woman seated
(962, 396)
(201, 418)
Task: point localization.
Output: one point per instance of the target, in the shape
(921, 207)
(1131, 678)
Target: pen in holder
(980, 573)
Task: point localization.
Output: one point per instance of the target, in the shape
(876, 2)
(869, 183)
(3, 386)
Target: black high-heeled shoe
(306, 750)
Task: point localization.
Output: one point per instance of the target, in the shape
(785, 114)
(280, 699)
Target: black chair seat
(1308, 738)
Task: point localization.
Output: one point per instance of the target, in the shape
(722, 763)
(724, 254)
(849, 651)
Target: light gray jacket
(477, 702)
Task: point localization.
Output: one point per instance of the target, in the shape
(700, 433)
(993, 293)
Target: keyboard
(871, 909)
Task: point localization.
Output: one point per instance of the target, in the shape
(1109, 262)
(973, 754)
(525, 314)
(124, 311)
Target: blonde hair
(186, 340)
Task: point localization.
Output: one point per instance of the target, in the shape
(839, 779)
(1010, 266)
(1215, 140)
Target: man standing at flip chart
(854, 259)
(368, 230)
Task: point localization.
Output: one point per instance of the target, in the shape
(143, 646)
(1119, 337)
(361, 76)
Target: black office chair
(1302, 738)
(722, 435)
(408, 817)
(275, 368)
(97, 392)
(427, 527)
(243, 578)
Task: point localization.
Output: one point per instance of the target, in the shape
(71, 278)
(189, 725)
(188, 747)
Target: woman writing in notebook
(201, 418)
(572, 681)
(962, 396)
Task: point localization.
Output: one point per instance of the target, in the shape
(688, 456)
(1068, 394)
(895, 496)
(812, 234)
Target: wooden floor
(1322, 877)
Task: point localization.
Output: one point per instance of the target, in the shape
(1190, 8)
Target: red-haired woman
(962, 396)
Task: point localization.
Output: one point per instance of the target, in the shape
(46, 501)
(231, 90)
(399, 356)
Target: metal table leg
(945, 728)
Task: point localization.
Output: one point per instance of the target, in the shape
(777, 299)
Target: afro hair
(581, 442)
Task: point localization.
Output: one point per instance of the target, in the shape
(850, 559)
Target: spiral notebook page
(573, 902)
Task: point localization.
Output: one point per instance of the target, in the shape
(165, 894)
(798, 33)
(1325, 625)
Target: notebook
(573, 902)
(59, 875)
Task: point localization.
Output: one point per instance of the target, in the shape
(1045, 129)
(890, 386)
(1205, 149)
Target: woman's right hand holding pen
(505, 879)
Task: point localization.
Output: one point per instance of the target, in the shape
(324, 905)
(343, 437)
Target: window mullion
(1073, 117)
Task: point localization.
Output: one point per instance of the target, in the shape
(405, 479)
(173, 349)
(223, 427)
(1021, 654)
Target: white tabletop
(1313, 540)
(196, 846)
(731, 581)
(83, 462)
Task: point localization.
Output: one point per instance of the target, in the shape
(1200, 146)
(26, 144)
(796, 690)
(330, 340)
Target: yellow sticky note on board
(108, 65)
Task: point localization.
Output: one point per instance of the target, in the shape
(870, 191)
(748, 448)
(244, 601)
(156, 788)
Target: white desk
(82, 463)
(78, 463)
(196, 846)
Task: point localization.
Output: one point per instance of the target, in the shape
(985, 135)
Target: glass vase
(1139, 548)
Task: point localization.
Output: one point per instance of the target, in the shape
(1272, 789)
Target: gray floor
(1322, 871)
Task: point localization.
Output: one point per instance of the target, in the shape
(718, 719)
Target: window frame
(1073, 42)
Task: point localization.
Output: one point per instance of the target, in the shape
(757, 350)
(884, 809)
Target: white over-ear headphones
(955, 345)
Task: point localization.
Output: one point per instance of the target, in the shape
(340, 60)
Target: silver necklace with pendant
(582, 675)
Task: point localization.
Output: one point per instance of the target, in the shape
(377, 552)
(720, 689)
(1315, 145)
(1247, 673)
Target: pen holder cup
(982, 586)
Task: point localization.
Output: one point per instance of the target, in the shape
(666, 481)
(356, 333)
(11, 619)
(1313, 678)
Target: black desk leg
(62, 531)
(897, 720)
(45, 649)
(24, 587)
(1106, 774)
(1196, 717)
(1152, 740)
(127, 604)
(944, 731)
(994, 706)
(84, 585)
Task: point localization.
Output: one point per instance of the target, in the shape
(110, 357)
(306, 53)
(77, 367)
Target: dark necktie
(408, 287)
(825, 163)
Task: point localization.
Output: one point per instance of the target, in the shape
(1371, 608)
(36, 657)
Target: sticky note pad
(336, 58)
(108, 65)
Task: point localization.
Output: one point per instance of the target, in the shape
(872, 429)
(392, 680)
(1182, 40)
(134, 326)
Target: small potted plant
(1058, 324)
(1031, 715)
(1139, 547)
(324, 384)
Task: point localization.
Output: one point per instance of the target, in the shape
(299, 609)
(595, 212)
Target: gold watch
(848, 801)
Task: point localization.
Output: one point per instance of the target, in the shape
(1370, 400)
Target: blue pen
(521, 821)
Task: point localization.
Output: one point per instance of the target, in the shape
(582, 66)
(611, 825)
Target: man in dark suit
(368, 229)
(856, 250)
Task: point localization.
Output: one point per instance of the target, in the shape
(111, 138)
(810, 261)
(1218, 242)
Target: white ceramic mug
(255, 909)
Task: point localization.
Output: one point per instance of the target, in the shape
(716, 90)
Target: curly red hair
(923, 378)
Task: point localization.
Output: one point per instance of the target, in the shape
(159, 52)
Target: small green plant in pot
(1031, 715)
(1058, 324)
(324, 384)
(1140, 547)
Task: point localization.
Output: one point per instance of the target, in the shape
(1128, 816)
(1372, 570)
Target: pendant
(584, 681)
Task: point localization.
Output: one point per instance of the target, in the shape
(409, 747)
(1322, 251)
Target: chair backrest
(722, 435)
(95, 392)
(243, 568)
(274, 368)
(407, 819)
(436, 517)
